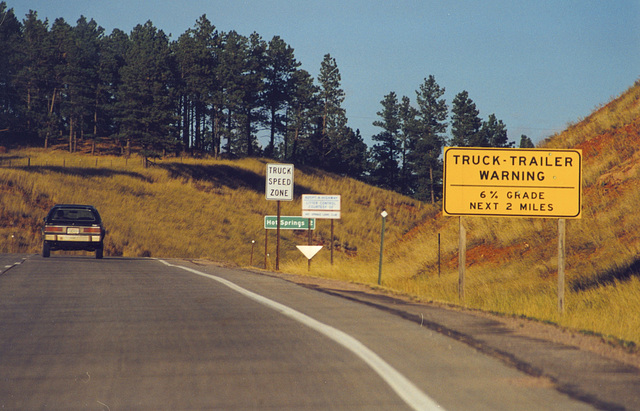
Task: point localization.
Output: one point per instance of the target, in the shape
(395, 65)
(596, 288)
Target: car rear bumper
(73, 238)
(89, 243)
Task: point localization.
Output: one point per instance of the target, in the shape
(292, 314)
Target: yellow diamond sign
(507, 182)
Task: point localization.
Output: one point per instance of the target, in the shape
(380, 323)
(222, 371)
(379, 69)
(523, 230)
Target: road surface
(118, 334)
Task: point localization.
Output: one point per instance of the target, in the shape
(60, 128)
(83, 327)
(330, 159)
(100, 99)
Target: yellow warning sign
(510, 182)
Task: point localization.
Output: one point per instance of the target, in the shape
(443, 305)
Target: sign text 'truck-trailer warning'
(512, 182)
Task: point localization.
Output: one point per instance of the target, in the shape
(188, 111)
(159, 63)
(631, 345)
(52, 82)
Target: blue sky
(537, 65)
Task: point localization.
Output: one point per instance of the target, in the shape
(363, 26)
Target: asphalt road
(78, 333)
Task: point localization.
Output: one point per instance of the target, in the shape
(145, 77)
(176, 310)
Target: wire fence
(21, 162)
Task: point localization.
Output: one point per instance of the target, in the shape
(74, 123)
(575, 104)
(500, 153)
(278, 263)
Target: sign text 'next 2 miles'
(512, 182)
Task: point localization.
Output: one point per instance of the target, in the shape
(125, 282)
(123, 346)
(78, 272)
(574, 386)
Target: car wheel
(99, 252)
(46, 250)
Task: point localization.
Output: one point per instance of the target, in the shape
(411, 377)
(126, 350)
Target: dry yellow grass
(187, 208)
(512, 263)
(214, 209)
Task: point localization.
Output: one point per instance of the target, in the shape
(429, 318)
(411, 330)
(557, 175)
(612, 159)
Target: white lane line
(409, 393)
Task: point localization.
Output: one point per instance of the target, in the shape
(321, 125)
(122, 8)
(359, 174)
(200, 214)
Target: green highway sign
(289, 223)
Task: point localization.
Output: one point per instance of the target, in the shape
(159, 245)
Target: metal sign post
(278, 239)
(266, 247)
(309, 243)
(309, 251)
(322, 206)
(384, 215)
(561, 262)
(279, 187)
(332, 237)
(508, 182)
(462, 258)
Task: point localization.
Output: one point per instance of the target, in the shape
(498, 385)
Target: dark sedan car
(73, 227)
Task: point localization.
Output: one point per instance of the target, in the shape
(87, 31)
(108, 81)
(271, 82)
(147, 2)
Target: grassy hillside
(215, 209)
(189, 208)
(512, 263)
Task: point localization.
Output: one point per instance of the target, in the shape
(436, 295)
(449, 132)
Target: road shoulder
(586, 367)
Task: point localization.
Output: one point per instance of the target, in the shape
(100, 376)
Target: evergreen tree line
(206, 92)
(212, 92)
(407, 157)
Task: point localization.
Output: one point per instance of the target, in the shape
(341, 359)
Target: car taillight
(91, 230)
(48, 229)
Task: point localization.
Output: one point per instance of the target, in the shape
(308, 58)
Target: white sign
(309, 250)
(279, 183)
(321, 206)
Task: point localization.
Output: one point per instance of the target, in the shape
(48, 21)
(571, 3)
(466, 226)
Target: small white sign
(321, 206)
(309, 250)
(279, 182)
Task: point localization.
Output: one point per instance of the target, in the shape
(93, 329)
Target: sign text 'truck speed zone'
(279, 183)
(512, 182)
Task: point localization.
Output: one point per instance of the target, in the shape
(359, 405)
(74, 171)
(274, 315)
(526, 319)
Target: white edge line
(409, 393)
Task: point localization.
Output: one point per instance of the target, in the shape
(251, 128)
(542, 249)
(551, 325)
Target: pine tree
(61, 36)
(36, 81)
(79, 74)
(302, 110)
(113, 49)
(252, 83)
(466, 123)
(429, 140)
(280, 70)
(233, 54)
(525, 142)
(196, 52)
(385, 170)
(354, 161)
(407, 140)
(146, 109)
(495, 132)
(333, 116)
(10, 40)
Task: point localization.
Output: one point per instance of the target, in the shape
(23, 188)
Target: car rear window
(73, 215)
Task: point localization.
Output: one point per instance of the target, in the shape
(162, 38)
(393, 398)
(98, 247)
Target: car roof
(74, 206)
